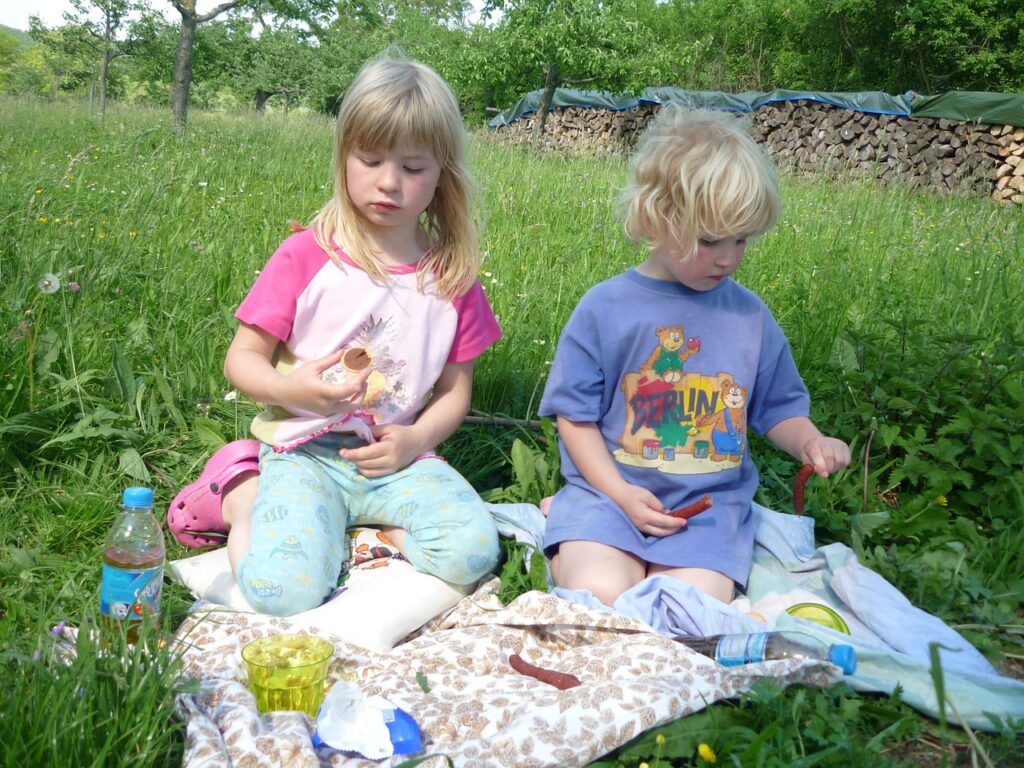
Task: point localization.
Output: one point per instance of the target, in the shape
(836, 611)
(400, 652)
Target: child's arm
(798, 437)
(248, 366)
(397, 446)
(586, 446)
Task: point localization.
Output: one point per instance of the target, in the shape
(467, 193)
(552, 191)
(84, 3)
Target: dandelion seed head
(49, 283)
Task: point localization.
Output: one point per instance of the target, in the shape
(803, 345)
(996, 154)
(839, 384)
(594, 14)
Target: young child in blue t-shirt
(662, 372)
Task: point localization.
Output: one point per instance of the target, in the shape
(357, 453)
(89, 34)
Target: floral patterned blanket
(453, 677)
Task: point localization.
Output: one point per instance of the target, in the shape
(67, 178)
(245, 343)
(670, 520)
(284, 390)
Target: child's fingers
(664, 524)
(363, 453)
(323, 363)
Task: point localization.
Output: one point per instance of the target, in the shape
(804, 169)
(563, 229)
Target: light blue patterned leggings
(308, 497)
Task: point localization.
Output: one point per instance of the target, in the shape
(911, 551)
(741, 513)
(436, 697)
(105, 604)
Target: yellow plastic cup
(288, 672)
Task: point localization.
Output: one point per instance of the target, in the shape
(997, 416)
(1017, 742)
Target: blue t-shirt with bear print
(674, 378)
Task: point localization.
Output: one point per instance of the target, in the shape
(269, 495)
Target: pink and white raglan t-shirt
(317, 305)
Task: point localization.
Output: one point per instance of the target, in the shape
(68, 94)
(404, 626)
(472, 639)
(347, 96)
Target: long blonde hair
(698, 173)
(394, 100)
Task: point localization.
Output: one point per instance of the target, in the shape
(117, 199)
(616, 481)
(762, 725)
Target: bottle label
(734, 650)
(125, 595)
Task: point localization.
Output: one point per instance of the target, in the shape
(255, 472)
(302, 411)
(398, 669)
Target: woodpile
(811, 137)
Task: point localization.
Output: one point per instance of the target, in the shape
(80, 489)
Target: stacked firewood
(813, 137)
(1008, 144)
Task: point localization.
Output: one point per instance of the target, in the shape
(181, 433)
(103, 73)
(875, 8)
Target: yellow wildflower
(942, 501)
(707, 753)
(42, 220)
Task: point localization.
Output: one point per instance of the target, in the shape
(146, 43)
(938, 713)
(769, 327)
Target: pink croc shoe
(194, 516)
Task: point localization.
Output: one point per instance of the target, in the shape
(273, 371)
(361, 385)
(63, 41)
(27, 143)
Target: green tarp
(974, 106)
(994, 108)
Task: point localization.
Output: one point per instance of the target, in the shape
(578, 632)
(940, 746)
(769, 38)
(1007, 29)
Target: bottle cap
(138, 498)
(844, 657)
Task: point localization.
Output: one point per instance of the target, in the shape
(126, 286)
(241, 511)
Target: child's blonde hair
(393, 101)
(698, 173)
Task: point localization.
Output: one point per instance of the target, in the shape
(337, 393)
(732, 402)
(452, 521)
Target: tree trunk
(183, 71)
(109, 31)
(550, 84)
(261, 101)
(104, 69)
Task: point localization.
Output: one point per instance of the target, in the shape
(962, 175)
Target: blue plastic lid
(138, 498)
(844, 657)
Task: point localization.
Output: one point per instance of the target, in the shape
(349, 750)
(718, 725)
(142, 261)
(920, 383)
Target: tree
(102, 35)
(571, 42)
(63, 52)
(966, 44)
(8, 55)
(278, 62)
(182, 79)
(312, 12)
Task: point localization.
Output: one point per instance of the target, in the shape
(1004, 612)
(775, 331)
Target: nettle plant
(944, 418)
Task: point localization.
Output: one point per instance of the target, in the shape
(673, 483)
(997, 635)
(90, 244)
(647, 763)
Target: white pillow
(383, 600)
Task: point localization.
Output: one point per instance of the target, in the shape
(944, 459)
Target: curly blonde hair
(394, 100)
(698, 173)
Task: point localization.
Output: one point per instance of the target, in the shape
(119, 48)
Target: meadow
(124, 251)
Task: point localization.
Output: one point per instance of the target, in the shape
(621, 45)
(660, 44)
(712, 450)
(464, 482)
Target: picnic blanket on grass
(475, 710)
(478, 711)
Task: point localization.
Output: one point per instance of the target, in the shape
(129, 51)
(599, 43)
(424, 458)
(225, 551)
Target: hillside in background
(21, 36)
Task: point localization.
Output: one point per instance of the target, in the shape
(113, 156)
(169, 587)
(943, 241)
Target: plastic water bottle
(734, 650)
(133, 565)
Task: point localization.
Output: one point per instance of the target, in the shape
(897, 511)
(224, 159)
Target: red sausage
(692, 510)
(798, 487)
(560, 680)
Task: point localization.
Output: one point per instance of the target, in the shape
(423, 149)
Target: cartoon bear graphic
(729, 425)
(666, 361)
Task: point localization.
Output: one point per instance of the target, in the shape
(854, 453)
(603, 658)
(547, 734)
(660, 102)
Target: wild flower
(707, 753)
(74, 286)
(229, 396)
(49, 283)
(41, 220)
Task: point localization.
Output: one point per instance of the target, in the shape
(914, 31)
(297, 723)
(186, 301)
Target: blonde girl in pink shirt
(360, 336)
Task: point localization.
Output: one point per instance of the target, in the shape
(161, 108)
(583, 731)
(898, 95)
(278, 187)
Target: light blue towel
(891, 635)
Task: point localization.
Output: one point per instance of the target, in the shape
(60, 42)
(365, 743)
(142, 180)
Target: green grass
(904, 312)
